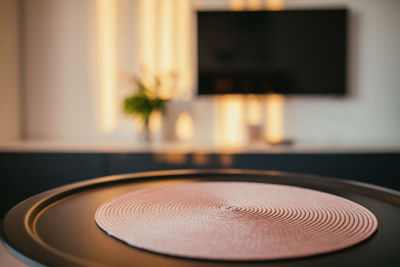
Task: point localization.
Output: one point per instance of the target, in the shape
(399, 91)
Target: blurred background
(67, 65)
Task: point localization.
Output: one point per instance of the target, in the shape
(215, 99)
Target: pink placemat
(235, 221)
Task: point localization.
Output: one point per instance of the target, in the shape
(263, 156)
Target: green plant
(144, 102)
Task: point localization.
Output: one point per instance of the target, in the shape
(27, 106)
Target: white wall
(62, 73)
(60, 60)
(9, 71)
(62, 94)
(372, 111)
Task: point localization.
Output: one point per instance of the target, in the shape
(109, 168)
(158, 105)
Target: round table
(57, 227)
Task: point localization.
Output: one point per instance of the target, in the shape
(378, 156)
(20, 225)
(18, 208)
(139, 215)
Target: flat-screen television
(292, 52)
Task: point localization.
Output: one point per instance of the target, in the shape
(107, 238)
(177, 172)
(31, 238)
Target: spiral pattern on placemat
(235, 221)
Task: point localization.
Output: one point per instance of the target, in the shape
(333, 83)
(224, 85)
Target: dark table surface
(57, 227)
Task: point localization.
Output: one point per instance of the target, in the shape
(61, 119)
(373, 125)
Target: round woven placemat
(235, 221)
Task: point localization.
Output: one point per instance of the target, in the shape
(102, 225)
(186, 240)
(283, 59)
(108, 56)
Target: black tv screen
(260, 52)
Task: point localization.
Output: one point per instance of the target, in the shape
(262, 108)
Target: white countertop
(257, 148)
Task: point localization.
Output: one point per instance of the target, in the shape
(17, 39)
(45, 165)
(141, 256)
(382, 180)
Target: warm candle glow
(236, 4)
(106, 23)
(254, 4)
(253, 110)
(274, 115)
(274, 4)
(155, 121)
(231, 121)
(184, 127)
